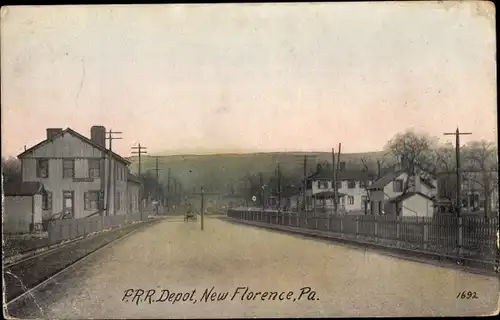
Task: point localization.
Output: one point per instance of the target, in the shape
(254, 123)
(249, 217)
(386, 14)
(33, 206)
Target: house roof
(79, 136)
(385, 180)
(133, 178)
(19, 188)
(326, 194)
(327, 174)
(428, 183)
(407, 196)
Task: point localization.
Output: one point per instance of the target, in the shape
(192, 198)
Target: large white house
(351, 189)
(400, 194)
(75, 171)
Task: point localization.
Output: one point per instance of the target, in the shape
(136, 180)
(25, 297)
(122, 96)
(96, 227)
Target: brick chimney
(98, 135)
(52, 132)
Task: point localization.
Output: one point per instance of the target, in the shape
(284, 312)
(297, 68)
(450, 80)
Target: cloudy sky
(255, 77)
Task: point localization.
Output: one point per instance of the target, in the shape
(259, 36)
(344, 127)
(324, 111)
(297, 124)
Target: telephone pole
(457, 134)
(139, 150)
(334, 182)
(261, 191)
(203, 193)
(168, 191)
(304, 187)
(110, 137)
(337, 178)
(157, 169)
(279, 188)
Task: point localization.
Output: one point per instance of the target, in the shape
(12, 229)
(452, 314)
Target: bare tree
(11, 169)
(414, 150)
(482, 165)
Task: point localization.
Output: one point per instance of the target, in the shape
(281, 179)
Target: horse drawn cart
(190, 215)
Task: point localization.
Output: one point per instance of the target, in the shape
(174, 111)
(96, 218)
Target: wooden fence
(68, 229)
(470, 236)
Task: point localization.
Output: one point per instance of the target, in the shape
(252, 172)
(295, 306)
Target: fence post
(460, 235)
(357, 227)
(342, 226)
(426, 234)
(398, 231)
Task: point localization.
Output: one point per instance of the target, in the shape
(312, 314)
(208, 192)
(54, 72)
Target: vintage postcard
(250, 160)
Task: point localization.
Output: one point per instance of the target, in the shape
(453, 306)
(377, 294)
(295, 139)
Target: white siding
(70, 147)
(417, 206)
(357, 193)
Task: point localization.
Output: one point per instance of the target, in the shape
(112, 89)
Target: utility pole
(140, 150)
(202, 209)
(337, 174)
(157, 169)
(279, 188)
(457, 134)
(261, 191)
(334, 182)
(109, 136)
(168, 190)
(304, 185)
(203, 193)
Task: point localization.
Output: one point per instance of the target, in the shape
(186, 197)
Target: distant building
(351, 189)
(133, 193)
(75, 171)
(477, 190)
(22, 212)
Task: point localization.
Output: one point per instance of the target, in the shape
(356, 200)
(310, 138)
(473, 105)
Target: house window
(91, 200)
(380, 208)
(47, 201)
(68, 168)
(94, 168)
(117, 201)
(351, 184)
(42, 168)
(397, 185)
(339, 184)
(350, 200)
(322, 184)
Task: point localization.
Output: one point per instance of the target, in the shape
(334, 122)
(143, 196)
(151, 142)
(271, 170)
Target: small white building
(22, 212)
(399, 194)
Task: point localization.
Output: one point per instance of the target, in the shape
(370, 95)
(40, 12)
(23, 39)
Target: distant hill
(221, 172)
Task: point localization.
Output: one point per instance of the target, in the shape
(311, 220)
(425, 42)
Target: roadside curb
(481, 267)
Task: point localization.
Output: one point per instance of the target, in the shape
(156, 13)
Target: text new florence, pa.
(211, 295)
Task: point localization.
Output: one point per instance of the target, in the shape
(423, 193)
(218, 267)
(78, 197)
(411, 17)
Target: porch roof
(326, 194)
(19, 188)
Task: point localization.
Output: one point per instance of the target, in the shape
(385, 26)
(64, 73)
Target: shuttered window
(91, 200)
(94, 168)
(47, 201)
(68, 168)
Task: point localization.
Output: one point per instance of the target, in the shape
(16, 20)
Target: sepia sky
(254, 77)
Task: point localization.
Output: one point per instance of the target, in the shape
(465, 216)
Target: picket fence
(69, 229)
(470, 236)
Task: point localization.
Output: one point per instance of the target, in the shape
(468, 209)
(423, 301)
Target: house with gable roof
(352, 196)
(400, 194)
(75, 172)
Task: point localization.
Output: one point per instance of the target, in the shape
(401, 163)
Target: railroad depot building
(75, 172)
